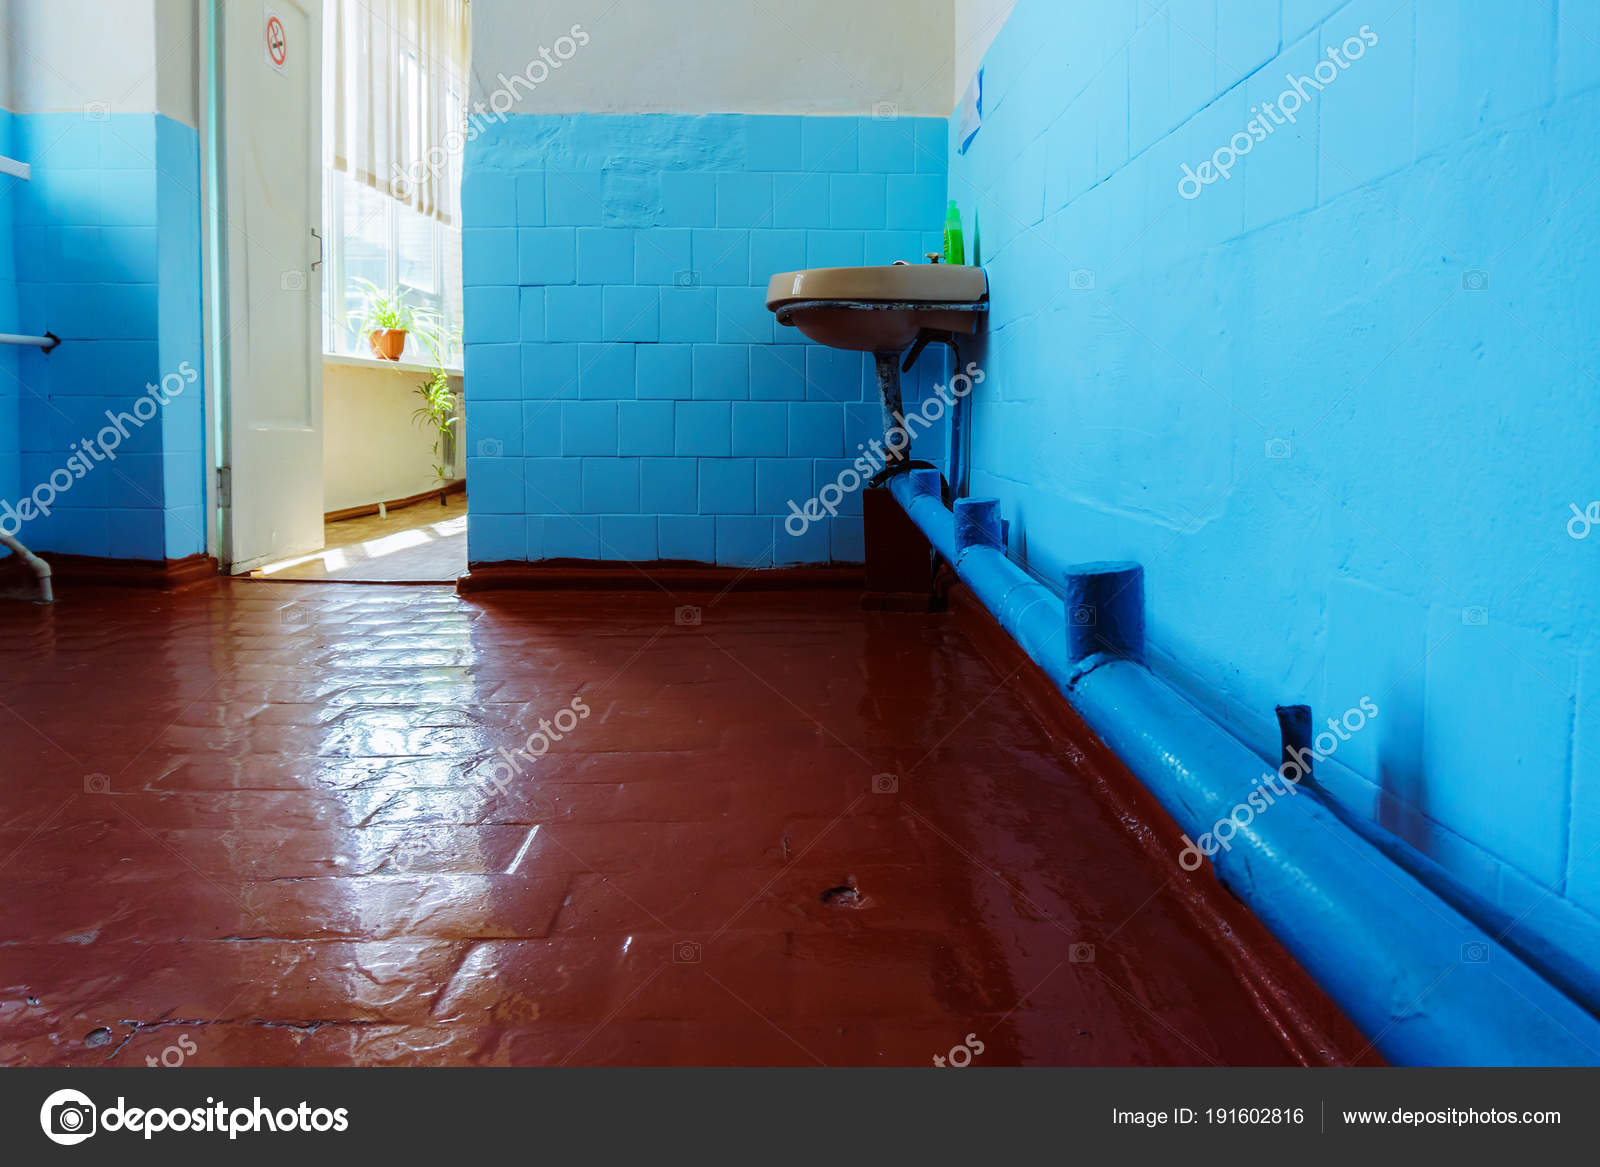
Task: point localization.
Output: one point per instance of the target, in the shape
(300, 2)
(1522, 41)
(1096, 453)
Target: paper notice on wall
(971, 110)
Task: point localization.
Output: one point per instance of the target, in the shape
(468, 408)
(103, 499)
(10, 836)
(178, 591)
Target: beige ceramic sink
(879, 309)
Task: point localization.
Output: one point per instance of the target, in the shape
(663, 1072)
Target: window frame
(335, 283)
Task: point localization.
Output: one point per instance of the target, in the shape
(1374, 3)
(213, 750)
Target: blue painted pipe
(1424, 983)
(920, 495)
(1530, 933)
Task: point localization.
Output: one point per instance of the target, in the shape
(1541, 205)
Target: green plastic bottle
(954, 249)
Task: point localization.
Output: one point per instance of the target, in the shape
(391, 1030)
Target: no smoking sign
(277, 42)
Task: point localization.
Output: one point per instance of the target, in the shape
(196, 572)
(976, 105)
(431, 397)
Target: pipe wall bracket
(1105, 611)
(977, 524)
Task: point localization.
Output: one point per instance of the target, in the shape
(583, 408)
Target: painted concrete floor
(259, 824)
(424, 543)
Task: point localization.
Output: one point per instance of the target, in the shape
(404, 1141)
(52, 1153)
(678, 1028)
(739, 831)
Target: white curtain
(396, 94)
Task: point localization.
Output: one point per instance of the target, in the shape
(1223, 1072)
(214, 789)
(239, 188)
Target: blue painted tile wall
(628, 395)
(1338, 403)
(107, 238)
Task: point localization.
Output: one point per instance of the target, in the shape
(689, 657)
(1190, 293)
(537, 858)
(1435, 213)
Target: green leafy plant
(382, 310)
(438, 409)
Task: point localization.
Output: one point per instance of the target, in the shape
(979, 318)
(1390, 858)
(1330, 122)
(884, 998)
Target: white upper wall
(179, 72)
(689, 56)
(722, 56)
(134, 56)
(5, 54)
(978, 22)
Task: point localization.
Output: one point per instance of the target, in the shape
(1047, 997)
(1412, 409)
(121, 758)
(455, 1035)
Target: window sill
(375, 363)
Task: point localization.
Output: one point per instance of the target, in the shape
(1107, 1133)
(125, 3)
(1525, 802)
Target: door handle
(318, 261)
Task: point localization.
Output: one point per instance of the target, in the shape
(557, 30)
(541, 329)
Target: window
(394, 99)
(374, 237)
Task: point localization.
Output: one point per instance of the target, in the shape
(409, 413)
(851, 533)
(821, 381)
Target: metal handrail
(46, 342)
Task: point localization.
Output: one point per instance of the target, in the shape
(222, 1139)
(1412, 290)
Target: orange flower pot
(387, 343)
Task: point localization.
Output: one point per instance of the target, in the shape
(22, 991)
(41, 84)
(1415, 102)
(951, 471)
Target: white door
(271, 163)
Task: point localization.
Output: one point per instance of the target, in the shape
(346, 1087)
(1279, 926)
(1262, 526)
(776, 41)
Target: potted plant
(385, 319)
(438, 409)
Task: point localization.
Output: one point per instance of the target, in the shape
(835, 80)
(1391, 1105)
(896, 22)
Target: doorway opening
(424, 542)
(336, 296)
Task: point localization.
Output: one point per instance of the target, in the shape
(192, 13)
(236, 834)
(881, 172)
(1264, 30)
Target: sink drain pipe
(1425, 984)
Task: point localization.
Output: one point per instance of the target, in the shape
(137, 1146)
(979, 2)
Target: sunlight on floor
(413, 545)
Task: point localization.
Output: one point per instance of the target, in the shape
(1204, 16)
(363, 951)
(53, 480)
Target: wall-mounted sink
(883, 311)
(880, 309)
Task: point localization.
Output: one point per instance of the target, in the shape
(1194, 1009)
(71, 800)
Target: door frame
(217, 273)
(214, 267)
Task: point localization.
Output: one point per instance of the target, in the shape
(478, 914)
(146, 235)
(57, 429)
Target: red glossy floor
(257, 824)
